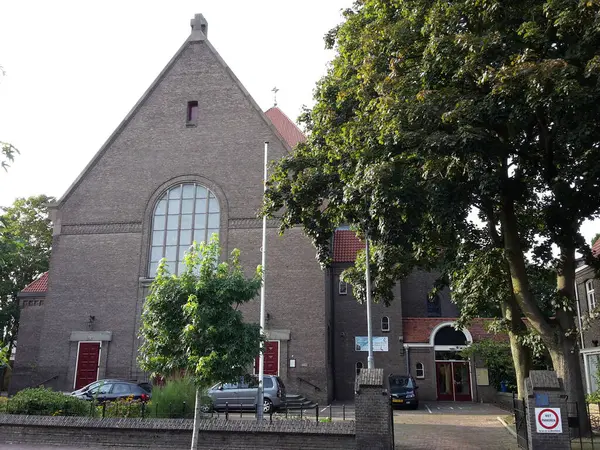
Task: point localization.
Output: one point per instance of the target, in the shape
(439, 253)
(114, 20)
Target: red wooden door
(271, 359)
(87, 364)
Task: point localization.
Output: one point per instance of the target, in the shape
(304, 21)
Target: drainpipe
(407, 351)
(579, 318)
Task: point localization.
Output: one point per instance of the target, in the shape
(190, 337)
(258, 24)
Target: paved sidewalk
(453, 426)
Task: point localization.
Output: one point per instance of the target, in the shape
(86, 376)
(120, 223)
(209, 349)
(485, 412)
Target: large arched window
(185, 213)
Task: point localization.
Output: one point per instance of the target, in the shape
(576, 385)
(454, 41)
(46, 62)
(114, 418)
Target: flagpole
(370, 359)
(261, 357)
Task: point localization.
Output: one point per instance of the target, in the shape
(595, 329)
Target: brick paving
(465, 426)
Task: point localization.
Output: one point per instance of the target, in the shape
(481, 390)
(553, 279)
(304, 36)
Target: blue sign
(541, 400)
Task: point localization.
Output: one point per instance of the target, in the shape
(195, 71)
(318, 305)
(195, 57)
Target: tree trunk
(560, 340)
(197, 412)
(565, 353)
(565, 359)
(521, 355)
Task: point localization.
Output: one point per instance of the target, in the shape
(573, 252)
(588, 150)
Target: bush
(594, 397)
(3, 403)
(123, 408)
(175, 399)
(46, 402)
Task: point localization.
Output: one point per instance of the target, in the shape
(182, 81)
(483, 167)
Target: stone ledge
(277, 426)
(370, 377)
(101, 228)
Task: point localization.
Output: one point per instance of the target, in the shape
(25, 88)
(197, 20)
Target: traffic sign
(548, 420)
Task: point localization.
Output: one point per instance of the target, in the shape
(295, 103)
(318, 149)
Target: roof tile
(286, 128)
(345, 246)
(39, 285)
(418, 329)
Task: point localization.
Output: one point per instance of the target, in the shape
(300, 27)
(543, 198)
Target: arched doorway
(453, 371)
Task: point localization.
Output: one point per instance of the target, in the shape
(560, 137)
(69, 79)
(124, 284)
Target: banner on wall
(380, 344)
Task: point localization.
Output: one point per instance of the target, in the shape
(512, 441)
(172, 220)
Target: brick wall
(373, 412)
(349, 321)
(415, 290)
(25, 371)
(103, 226)
(176, 434)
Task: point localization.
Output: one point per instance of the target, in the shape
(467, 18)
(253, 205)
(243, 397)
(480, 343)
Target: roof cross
(275, 91)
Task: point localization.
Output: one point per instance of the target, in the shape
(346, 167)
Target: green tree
(25, 244)
(191, 321)
(432, 111)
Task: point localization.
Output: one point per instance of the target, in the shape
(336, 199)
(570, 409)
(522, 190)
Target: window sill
(191, 125)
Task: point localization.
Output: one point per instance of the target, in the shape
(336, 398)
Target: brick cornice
(102, 228)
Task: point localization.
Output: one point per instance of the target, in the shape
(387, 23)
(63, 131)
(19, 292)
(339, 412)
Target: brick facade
(99, 262)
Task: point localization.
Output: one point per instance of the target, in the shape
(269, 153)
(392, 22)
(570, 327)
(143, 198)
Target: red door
(453, 381)
(87, 364)
(271, 358)
(445, 390)
(462, 382)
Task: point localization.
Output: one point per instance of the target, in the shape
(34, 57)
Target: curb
(507, 426)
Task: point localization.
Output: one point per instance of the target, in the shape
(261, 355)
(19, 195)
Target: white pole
(370, 359)
(261, 357)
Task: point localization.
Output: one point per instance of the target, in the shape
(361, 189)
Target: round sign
(548, 419)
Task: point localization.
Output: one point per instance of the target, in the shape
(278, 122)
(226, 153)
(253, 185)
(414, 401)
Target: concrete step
(295, 401)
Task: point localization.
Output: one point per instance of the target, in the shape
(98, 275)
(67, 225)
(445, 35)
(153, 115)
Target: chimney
(199, 28)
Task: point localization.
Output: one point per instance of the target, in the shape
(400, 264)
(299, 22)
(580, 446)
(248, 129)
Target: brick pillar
(545, 391)
(373, 412)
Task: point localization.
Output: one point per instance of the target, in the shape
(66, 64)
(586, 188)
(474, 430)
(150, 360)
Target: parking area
(441, 425)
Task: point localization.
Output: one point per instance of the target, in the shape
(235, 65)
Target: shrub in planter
(3, 403)
(46, 402)
(123, 408)
(176, 399)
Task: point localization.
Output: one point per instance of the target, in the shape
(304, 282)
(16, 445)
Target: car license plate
(397, 400)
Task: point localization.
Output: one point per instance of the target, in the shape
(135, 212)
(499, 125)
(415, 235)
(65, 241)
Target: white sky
(74, 69)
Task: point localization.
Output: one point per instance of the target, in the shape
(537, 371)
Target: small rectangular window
(192, 113)
(385, 323)
(420, 370)
(343, 288)
(591, 297)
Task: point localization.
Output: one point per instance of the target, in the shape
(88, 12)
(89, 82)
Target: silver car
(244, 394)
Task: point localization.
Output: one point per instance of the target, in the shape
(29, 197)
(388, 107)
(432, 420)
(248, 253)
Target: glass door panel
(444, 381)
(462, 384)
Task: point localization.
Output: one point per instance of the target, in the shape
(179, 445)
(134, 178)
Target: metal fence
(579, 440)
(143, 410)
(520, 411)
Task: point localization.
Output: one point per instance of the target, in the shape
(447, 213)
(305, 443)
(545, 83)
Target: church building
(187, 162)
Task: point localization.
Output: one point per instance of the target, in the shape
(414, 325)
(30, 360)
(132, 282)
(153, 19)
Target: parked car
(403, 391)
(109, 390)
(244, 394)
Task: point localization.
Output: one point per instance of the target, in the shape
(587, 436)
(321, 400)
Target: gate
(520, 410)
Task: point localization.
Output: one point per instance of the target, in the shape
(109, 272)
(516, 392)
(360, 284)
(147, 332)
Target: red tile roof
(39, 285)
(418, 329)
(287, 129)
(596, 248)
(345, 246)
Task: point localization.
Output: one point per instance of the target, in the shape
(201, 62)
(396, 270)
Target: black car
(109, 390)
(403, 391)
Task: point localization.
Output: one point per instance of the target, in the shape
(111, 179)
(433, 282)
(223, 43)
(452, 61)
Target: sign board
(548, 420)
(541, 399)
(482, 375)
(380, 344)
